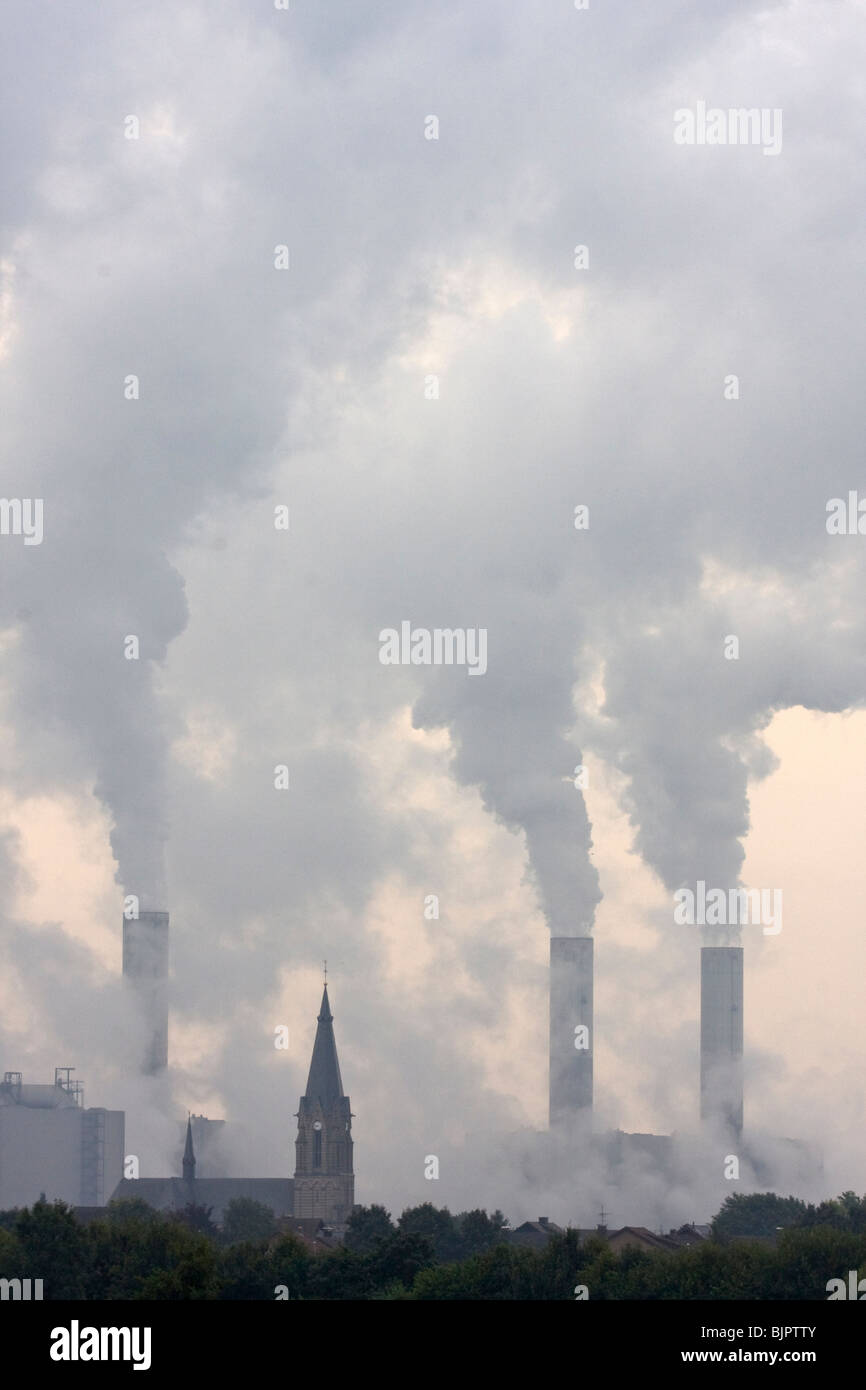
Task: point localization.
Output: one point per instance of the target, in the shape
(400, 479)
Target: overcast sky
(446, 503)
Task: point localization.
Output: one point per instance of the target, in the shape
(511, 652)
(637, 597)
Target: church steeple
(324, 1179)
(324, 1082)
(188, 1154)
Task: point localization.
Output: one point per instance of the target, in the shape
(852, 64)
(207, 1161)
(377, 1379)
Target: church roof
(324, 1083)
(173, 1194)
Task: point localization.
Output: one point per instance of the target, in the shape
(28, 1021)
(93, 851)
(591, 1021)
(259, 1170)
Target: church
(323, 1188)
(324, 1185)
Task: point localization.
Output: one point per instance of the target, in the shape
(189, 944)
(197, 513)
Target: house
(534, 1234)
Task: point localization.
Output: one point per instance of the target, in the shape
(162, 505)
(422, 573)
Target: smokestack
(571, 1040)
(145, 966)
(722, 1036)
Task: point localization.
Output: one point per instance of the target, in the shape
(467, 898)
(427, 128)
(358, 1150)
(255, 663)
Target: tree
(498, 1274)
(197, 1218)
(399, 1260)
(844, 1213)
(245, 1219)
(340, 1274)
(598, 1269)
(756, 1214)
(11, 1255)
(128, 1209)
(155, 1256)
(479, 1232)
(437, 1225)
(247, 1271)
(561, 1265)
(193, 1276)
(806, 1259)
(53, 1248)
(393, 1292)
(367, 1226)
(291, 1265)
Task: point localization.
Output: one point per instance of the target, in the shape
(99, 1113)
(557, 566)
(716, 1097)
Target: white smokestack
(571, 1040)
(722, 1036)
(145, 966)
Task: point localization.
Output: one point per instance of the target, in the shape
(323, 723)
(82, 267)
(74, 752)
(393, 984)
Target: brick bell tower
(324, 1177)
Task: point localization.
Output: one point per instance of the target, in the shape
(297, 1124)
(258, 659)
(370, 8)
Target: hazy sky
(413, 258)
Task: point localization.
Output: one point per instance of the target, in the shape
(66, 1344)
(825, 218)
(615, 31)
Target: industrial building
(571, 1041)
(622, 1158)
(50, 1144)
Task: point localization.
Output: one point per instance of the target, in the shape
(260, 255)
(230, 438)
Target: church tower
(324, 1178)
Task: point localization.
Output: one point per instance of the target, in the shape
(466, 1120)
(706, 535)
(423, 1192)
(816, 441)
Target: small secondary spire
(189, 1152)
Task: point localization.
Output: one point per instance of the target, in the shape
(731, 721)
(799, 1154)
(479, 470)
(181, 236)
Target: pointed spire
(324, 1083)
(188, 1153)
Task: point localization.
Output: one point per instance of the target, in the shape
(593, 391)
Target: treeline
(799, 1267)
(763, 1215)
(428, 1254)
(137, 1253)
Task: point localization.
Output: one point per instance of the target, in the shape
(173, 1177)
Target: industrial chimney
(571, 1040)
(722, 1036)
(145, 966)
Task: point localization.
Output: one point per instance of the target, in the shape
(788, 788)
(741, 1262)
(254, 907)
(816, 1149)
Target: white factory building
(49, 1143)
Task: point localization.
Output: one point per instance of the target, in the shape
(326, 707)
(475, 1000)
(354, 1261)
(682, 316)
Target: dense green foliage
(245, 1219)
(756, 1214)
(764, 1214)
(367, 1226)
(136, 1253)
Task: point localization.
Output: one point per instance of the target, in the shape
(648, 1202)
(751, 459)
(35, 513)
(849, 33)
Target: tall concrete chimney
(722, 1036)
(571, 1040)
(145, 966)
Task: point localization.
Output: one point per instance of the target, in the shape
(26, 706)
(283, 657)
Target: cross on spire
(325, 967)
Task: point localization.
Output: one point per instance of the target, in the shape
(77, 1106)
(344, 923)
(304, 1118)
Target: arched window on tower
(317, 1147)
